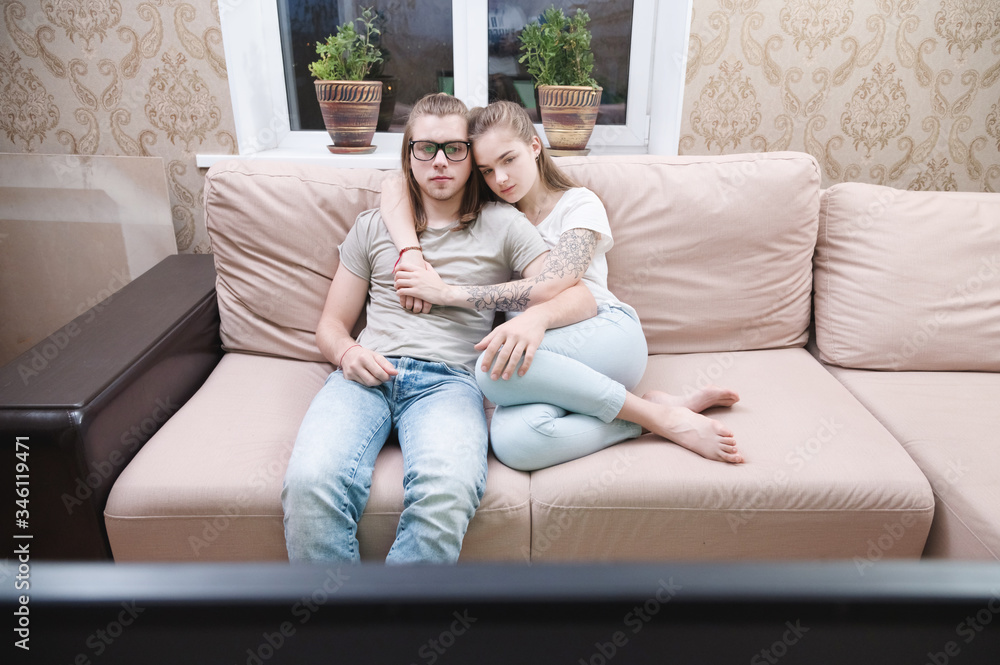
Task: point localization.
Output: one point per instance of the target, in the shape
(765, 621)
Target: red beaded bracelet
(401, 252)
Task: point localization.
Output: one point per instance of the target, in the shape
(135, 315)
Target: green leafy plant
(557, 49)
(349, 55)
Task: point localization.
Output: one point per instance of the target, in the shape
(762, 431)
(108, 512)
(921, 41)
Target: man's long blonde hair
(513, 117)
(439, 105)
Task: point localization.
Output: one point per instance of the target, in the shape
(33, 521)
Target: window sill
(310, 147)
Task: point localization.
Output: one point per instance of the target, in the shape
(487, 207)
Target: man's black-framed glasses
(454, 151)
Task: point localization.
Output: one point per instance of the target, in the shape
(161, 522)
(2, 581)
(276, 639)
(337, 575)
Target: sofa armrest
(83, 401)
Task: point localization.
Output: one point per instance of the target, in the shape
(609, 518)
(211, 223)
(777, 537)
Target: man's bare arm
(344, 302)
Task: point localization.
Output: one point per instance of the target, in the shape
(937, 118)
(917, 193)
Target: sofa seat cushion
(948, 423)
(822, 477)
(207, 486)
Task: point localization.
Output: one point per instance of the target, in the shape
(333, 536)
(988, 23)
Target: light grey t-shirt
(500, 242)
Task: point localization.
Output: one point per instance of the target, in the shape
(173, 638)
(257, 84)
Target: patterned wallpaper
(119, 77)
(902, 93)
(899, 92)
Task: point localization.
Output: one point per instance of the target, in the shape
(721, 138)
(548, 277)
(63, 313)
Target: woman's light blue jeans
(564, 407)
(438, 413)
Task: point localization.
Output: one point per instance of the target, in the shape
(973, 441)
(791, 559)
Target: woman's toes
(732, 458)
(722, 430)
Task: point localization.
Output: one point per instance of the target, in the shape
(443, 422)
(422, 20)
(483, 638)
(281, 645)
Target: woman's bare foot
(709, 438)
(698, 401)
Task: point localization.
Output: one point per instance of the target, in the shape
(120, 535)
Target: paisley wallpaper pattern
(898, 92)
(902, 93)
(119, 77)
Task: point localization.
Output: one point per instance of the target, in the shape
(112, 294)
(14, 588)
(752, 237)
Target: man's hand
(366, 367)
(508, 342)
(413, 260)
(423, 283)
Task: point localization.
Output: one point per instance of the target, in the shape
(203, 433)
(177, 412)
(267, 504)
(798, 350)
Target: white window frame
(253, 53)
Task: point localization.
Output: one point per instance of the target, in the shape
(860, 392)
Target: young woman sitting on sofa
(576, 399)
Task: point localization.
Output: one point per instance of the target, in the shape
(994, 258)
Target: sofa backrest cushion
(275, 228)
(908, 280)
(714, 252)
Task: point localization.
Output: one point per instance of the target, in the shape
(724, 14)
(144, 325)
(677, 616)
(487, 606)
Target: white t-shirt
(579, 208)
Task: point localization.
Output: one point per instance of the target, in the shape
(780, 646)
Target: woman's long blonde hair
(513, 117)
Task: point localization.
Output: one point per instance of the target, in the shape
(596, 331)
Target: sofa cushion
(207, 486)
(882, 304)
(275, 228)
(822, 478)
(729, 241)
(714, 252)
(947, 422)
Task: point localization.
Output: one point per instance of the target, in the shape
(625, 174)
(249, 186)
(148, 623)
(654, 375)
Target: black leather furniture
(76, 407)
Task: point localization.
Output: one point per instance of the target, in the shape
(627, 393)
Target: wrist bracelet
(401, 252)
(341, 363)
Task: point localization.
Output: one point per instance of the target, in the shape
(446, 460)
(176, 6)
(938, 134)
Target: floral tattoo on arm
(509, 297)
(570, 257)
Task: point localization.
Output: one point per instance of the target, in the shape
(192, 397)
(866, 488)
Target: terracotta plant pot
(568, 114)
(350, 112)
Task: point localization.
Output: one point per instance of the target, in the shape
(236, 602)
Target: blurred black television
(914, 612)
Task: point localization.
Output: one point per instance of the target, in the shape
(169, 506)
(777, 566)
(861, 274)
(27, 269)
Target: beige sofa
(717, 256)
(908, 319)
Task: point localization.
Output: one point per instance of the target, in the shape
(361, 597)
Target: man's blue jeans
(438, 413)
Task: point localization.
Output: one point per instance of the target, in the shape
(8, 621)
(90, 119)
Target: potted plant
(557, 53)
(350, 104)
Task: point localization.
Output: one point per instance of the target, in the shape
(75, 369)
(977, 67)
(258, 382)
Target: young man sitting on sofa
(412, 373)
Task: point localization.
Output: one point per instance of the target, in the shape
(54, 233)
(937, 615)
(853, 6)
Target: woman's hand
(413, 260)
(366, 367)
(508, 342)
(423, 283)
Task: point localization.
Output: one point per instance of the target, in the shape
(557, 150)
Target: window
(445, 45)
(416, 43)
(610, 26)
